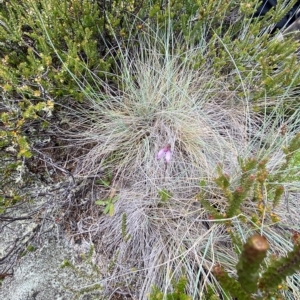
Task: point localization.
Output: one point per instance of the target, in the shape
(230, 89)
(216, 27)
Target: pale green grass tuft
(161, 100)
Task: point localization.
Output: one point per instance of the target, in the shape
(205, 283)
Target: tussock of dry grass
(206, 124)
(165, 102)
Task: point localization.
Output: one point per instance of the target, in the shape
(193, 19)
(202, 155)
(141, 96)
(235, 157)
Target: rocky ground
(39, 259)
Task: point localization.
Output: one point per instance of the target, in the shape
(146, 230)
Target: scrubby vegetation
(104, 86)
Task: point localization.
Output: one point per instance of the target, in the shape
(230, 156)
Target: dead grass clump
(158, 230)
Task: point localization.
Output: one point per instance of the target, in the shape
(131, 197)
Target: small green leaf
(100, 202)
(202, 183)
(111, 209)
(164, 195)
(30, 248)
(65, 264)
(104, 182)
(107, 209)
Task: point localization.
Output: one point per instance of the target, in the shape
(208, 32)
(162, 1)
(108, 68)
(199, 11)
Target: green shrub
(44, 47)
(45, 43)
(255, 180)
(265, 286)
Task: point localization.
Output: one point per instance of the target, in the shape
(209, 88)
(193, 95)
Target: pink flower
(165, 152)
(168, 156)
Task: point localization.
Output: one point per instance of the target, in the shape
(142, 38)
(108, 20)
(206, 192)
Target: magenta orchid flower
(165, 152)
